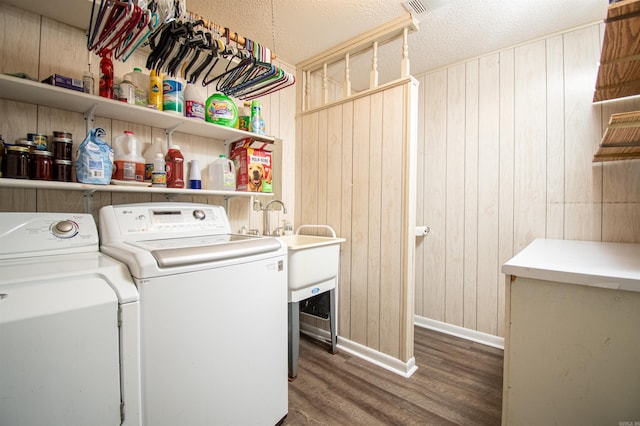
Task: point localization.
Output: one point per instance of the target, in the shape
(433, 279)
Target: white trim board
(465, 333)
(405, 369)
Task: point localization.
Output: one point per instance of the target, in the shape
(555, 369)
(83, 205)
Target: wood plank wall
(505, 147)
(39, 47)
(351, 175)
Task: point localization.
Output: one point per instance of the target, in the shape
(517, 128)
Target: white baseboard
(465, 333)
(405, 369)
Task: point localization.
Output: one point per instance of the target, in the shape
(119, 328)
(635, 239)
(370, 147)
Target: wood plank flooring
(457, 383)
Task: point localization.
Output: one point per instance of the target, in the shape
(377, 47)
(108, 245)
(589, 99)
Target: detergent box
(254, 166)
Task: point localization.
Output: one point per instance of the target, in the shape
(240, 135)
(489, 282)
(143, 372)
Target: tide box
(253, 162)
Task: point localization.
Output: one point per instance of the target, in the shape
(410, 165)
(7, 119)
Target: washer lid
(219, 248)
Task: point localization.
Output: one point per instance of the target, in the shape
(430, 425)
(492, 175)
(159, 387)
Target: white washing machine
(214, 314)
(69, 325)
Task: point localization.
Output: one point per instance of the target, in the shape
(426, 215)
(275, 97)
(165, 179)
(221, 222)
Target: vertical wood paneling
(420, 201)
(391, 251)
(375, 203)
(360, 220)
(530, 144)
(435, 192)
(555, 137)
(346, 224)
(471, 144)
(322, 169)
(376, 187)
(582, 131)
(488, 175)
(537, 132)
(308, 172)
(20, 41)
(455, 208)
(505, 214)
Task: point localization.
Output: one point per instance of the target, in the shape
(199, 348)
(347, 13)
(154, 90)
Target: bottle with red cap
(175, 167)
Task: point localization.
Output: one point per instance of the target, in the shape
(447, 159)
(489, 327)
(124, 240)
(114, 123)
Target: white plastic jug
(128, 160)
(222, 174)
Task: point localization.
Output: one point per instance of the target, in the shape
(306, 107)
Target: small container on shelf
(17, 162)
(62, 170)
(41, 165)
(62, 148)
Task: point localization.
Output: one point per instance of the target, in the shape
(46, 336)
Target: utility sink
(312, 262)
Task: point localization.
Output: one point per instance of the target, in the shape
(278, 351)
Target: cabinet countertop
(590, 263)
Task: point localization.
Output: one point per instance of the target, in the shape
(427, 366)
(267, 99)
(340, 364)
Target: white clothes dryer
(69, 325)
(214, 314)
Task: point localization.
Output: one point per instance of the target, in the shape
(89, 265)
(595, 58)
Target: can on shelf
(40, 140)
(17, 162)
(41, 165)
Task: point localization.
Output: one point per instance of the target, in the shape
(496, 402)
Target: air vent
(415, 7)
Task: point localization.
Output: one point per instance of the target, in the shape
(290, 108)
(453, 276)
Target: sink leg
(333, 315)
(294, 338)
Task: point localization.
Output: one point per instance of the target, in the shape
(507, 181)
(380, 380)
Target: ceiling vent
(416, 7)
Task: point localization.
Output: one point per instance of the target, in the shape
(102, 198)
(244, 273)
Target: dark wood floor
(457, 383)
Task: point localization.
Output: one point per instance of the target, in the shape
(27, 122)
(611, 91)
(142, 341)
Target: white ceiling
(450, 31)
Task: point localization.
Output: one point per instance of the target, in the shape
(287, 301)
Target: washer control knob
(199, 214)
(64, 229)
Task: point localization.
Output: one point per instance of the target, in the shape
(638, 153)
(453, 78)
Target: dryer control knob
(199, 214)
(64, 229)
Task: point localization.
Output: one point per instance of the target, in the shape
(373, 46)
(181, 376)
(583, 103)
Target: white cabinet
(572, 341)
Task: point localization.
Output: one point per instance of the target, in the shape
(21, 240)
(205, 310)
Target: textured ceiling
(453, 31)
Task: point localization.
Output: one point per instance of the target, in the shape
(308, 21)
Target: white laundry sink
(311, 259)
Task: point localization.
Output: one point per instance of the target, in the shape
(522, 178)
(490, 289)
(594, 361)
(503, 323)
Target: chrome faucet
(266, 223)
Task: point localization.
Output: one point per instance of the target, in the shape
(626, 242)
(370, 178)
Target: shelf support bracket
(89, 118)
(226, 203)
(88, 200)
(169, 132)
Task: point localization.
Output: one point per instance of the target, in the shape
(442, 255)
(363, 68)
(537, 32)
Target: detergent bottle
(129, 163)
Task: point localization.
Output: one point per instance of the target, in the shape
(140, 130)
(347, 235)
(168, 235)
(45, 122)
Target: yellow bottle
(155, 90)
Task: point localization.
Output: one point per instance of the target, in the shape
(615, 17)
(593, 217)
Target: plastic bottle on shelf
(128, 160)
(244, 116)
(150, 154)
(142, 83)
(193, 103)
(195, 177)
(173, 95)
(88, 82)
(155, 90)
(257, 122)
(127, 91)
(222, 174)
(159, 174)
(106, 76)
(175, 167)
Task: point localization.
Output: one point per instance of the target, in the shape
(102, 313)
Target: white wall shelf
(23, 90)
(89, 189)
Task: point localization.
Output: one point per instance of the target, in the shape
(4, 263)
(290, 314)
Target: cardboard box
(66, 82)
(254, 165)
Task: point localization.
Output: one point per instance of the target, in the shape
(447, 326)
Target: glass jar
(41, 167)
(17, 162)
(62, 148)
(62, 170)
